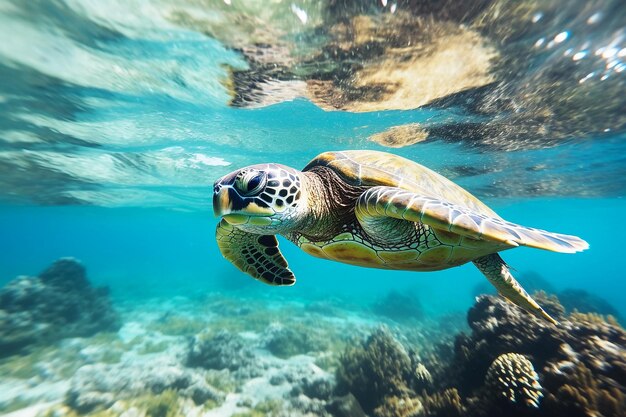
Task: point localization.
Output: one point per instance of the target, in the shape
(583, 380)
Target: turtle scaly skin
(369, 209)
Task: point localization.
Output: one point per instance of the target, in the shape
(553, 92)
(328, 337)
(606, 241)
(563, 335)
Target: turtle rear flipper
(256, 255)
(498, 273)
(401, 204)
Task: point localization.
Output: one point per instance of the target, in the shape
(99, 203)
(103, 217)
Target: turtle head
(263, 199)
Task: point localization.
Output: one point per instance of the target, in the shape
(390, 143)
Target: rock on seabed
(58, 303)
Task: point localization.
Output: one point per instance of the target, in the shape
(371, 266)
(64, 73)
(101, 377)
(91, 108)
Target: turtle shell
(374, 168)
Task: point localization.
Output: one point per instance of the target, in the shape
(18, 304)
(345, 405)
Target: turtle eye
(251, 182)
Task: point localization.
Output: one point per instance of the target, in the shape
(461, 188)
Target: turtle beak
(221, 201)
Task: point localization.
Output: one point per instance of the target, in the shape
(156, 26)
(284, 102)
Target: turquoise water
(147, 252)
(117, 117)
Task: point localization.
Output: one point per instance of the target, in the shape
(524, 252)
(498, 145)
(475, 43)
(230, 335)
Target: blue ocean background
(117, 117)
(150, 252)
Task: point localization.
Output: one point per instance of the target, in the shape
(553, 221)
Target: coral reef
(510, 364)
(100, 385)
(378, 368)
(507, 363)
(284, 342)
(59, 303)
(400, 407)
(499, 327)
(447, 403)
(581, 394)
(512, 377)
(581, 362)
(345, 406)
(551, 304)
(222, 350)
(314, 386)
(304, 388)
(422, 377)
(387, 379)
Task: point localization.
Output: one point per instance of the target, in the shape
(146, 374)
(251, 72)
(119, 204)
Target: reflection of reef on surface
(514, 62)
(400, 136)
(372, 62)
(397, 62)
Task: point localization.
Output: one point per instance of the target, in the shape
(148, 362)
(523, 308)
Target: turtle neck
(331, 203)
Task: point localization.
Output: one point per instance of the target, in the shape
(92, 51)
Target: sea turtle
(371, 209)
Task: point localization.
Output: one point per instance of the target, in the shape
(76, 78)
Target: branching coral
(421, 377)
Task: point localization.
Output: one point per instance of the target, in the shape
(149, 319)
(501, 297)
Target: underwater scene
(337, 208)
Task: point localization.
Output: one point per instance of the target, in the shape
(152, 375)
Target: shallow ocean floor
(216, 356)
(68, 350)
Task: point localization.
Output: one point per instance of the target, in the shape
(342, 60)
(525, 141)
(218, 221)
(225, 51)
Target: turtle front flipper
(401, 204)
(498, 273)
(256, 255)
